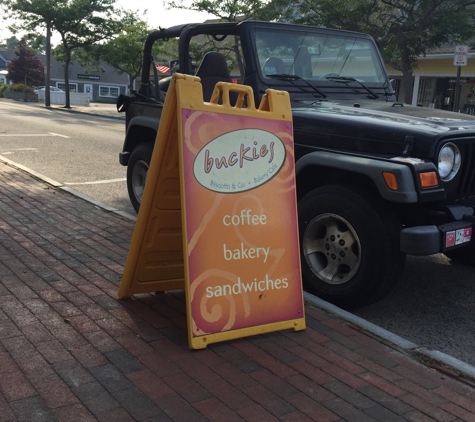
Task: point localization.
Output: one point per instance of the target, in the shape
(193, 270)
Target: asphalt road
(433, 305)
(77, 150)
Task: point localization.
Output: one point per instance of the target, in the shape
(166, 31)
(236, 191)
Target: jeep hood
(376, 126)
(389, 111)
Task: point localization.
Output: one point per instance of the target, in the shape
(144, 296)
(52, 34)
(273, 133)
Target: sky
(157, 15)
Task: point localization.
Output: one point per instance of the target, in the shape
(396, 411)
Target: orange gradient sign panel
(241, 223)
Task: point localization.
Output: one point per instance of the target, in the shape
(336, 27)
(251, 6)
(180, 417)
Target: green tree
(231, 10)
(80, 23)
(123, 52)
(37, 42)
(11, 43)
(26, 68)
(34, 41)
(403, 29)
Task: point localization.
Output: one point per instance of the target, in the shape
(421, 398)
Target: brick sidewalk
(70, 351)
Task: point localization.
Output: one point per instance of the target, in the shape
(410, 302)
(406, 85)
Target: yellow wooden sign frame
(157, 259)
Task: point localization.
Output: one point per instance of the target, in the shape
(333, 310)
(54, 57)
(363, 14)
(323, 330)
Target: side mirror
(122, 103)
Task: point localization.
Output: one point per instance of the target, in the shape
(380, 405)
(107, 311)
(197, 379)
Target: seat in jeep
(213, 69)
(273, 66)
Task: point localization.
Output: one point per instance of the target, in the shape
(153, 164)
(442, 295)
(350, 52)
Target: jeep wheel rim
(332, 249)
(139, 177)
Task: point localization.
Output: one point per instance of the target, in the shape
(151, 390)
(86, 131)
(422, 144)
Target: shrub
(3, 87)
(20, 88)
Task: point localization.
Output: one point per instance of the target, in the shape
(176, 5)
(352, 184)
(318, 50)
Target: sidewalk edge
(72, 191)
(89, 113)
(456, 368)
(360, 322)
(31, 172)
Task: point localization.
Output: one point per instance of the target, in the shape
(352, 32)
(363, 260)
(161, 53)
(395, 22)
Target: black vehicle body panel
(347, 133)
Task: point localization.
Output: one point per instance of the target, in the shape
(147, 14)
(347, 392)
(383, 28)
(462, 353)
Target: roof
(57, 70)
(5, 57)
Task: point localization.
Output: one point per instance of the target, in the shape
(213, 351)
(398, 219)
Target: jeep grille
(466, 185)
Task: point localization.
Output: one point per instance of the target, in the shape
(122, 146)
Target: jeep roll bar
(184, 33)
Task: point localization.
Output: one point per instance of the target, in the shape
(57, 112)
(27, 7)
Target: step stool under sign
(218, 215)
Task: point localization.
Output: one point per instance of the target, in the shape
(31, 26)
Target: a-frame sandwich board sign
(218, 215)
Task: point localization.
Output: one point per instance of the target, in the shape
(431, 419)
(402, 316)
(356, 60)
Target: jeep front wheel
(137, 170)
(349, 242)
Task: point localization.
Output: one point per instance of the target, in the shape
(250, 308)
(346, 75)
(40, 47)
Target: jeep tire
(349, 242)
(137, 169)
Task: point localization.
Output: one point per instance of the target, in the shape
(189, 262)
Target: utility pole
(48, 65)
(457, 90)
(460, 59)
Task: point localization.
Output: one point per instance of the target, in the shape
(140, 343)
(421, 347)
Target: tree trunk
(238, 57)
(407, 77)
(131, 84)
(406, 63)
(48, 66)
(67, 61)
(408, 86)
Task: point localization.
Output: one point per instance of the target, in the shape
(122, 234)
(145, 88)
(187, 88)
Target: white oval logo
(239, 161)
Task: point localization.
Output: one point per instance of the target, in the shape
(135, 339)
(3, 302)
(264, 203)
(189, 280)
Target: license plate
(457, 237)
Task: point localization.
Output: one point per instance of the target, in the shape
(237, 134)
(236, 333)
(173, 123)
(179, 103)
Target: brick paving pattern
(70, 351)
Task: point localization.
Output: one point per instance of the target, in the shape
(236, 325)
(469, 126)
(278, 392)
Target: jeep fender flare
(144, 121)
(139, 126)
(372, 168)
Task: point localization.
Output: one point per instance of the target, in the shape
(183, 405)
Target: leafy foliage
(26, 67)
(232, 10)
(3, 87)
(20, 88)
(403, 29)
(80, 23)
(123, 52)
(10, 43)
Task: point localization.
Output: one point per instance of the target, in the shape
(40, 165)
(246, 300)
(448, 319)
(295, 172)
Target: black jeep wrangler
(376, 179)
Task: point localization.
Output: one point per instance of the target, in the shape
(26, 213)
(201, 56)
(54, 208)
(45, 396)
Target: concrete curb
(87, 110)
(360, 322)
(455, 367)
(89, 113)
(74, 192)
(31, 172)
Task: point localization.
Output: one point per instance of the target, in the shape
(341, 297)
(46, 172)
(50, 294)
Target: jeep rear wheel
(137, 170)
(349, 245)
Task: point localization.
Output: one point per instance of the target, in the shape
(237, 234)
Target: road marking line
(19, 149)
(57, 134)
(97, 182)
(32, 135)
(23, 135)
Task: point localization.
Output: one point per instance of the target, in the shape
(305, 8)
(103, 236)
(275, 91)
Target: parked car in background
(51, 88)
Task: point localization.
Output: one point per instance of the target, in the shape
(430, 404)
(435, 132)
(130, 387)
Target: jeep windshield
(339, 64)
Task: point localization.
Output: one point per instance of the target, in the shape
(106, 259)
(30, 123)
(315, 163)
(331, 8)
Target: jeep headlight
(449, 161)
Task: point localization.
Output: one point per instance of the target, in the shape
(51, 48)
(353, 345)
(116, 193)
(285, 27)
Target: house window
(72, 87)
(426, 93)
(109, 91)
